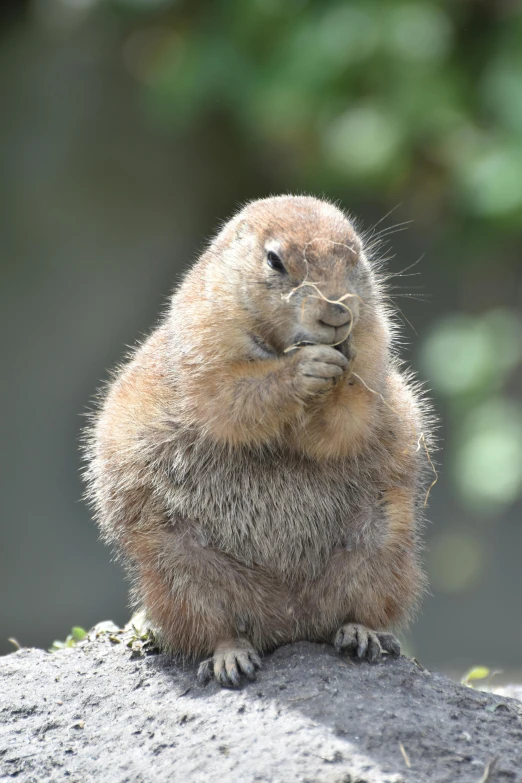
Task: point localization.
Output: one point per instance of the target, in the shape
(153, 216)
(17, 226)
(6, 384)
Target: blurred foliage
(373, 95)
(470, 360)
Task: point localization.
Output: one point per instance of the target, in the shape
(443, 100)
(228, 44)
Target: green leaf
(76, 635)
(476, 673)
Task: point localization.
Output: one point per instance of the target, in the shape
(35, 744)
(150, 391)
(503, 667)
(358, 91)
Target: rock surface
(101, 712)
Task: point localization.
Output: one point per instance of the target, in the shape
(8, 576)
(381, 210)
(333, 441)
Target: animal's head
(300, 270)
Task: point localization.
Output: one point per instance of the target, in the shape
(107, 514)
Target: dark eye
(275, 262)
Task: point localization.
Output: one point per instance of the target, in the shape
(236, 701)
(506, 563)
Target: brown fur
(257, 494)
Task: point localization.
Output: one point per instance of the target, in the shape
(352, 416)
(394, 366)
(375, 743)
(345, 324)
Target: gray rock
(103, 712)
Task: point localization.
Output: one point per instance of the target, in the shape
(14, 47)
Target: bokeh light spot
(418, 31)
(489, 456)
(492, 182)
(363, 140)
(348, 34)
(457, 354)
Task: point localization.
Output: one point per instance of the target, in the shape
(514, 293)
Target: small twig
(19, 758)
(423, 439)
(421, 436)
(405, 755)
(304, 698)
(320, 295)
(488, 770)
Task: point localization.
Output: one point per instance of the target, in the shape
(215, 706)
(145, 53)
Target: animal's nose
(335, 315)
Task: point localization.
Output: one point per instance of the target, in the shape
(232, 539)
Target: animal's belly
(286, 515)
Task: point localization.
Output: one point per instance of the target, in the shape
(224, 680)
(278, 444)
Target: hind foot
(232, 659)
(361, 642)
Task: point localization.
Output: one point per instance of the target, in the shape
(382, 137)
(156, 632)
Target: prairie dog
(256, 462)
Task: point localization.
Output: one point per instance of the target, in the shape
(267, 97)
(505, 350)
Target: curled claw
(389, 643)
(229, 664)
(361, 642)
(205, 671)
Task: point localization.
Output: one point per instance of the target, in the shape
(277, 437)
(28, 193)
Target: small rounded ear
(241, 229)
(230, 232)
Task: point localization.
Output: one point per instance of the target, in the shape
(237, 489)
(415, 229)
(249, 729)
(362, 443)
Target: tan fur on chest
(252, 504)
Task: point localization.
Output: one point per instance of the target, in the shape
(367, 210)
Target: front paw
(361, 642)
(349, 351)
(231, 660)
(317, 369)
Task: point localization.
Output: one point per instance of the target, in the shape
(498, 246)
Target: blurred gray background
(129, 130)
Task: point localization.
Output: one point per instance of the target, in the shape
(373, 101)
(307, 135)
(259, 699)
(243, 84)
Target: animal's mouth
(303, 343)
(304, 337)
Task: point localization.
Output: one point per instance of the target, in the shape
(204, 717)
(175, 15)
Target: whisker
(393, 229)
(385, 278)
(405, 287)
(426, 298)
(399, 311)
(391, 211)
(407, 268)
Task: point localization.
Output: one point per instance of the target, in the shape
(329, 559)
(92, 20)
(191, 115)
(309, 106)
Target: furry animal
(257, 462)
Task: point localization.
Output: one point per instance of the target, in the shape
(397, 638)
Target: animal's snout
(335, 315)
